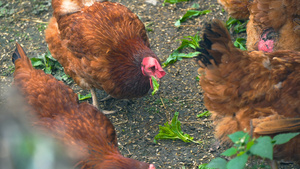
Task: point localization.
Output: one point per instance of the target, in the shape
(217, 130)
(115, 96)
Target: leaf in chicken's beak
(155, 85)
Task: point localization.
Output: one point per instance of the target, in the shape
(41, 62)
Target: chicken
(103, 45)
(237, 9)
(242, 87)
(80, 126)
(274, 25)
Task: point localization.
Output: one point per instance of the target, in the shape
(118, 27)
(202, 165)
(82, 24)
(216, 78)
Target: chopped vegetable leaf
(192, 43)
(173, 1)
(204, 114)
(50, 66)
(189, 14)
(240, 43)
(84, 97)
(155, 85)
(173, 131)
(175, 56)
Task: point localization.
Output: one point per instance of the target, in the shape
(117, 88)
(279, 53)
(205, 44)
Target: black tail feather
(16, 55)
(212, 32)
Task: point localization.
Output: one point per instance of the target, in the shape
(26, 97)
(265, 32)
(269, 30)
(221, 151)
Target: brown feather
(278, 15)
(248, 86)
(79, 126)
(237, 9)
(102, 46)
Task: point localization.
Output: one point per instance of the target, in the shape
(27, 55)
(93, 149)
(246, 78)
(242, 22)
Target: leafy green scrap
(190, 41)
(176, 56)
(173, 131)
(204, 114)
(84, 97)
(50, 66)
(189, 14)
(240, 43)
(173, 1)
(239, 25)
(155, 85)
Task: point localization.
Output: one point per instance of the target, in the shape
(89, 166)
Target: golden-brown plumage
(102, 45)
(241, 86)
(281, 20)
(237, 9)
(80, 126)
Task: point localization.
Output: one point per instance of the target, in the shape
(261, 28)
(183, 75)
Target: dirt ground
(136, 121)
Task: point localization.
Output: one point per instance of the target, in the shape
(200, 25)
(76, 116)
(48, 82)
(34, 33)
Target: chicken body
(103, 45)
(82, 128)
(237, 9)
(274, 25)
(242, 87)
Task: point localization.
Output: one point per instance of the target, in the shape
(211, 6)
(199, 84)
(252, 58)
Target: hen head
(151, 67)
(266, 42)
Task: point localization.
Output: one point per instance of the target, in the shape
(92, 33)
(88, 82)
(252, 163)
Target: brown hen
(274, 25)
(86, 131)
(103, 45)
(241, 86)
(237, 9)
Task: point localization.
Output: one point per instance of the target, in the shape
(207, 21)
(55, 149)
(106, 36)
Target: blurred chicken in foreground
(274, 25)
(83, 129)
(241, 87)
(103, 45)
(22, 147)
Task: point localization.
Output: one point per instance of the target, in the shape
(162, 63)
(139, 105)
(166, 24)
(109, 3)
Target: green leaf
(238, 162)
(241, 27)
(263, 147)
(84, 97)
(36, 62)
(229, 152)
(250, 144)
(195, 5)
(173, 1)
(240, 43)
(231, 21)
(205, 114)
(218, 162)
(203, 166)
(197, 79)
(190, 41)
(190, 14)
(155, 85)
(284, 138)
(48, 70)
(173, 131)
(237, 136)
(50, 66)
(173, 57)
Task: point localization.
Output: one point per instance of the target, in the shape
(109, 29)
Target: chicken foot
(94, 97)
(106, 98)
(95, 102)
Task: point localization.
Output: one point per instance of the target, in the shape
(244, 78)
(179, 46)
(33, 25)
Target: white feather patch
(68, 7)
